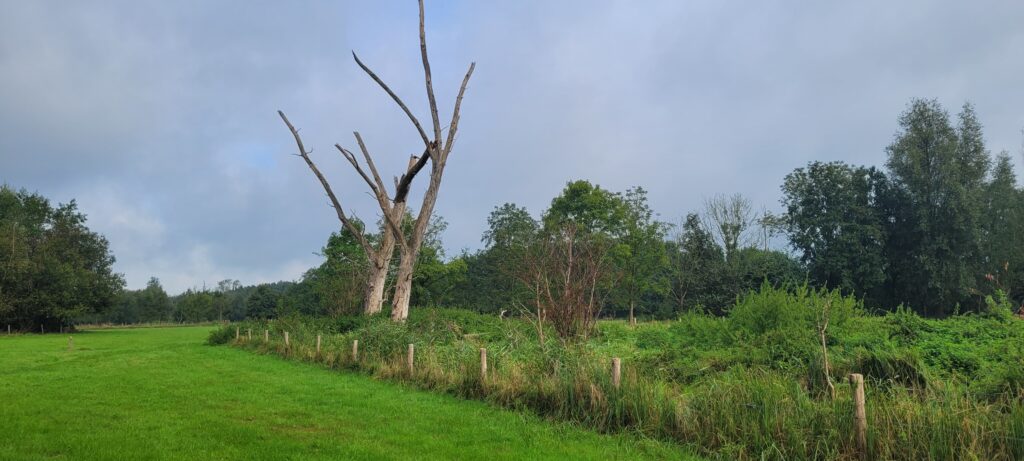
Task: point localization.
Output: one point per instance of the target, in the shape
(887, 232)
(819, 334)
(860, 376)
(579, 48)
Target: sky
(159, 118)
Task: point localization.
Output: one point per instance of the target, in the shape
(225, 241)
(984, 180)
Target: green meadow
(161, 393)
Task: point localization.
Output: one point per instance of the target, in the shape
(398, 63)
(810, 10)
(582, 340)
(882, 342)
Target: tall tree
(1003, 227)
(511, 231)
(377, 256)
(938, 173)
(643, 259)
(698, 268)
(835, 221)
(569, 267)
(262, 303)
(153, 302)
(54, 269)
(437, 147)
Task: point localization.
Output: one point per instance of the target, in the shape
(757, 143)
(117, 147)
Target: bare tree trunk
(632, 318)
(375, 281)
(379, 265)
(403, 286)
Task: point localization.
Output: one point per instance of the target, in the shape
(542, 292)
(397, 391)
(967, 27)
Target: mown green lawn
(160, 393)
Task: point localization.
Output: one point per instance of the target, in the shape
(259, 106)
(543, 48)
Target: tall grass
(748, 393)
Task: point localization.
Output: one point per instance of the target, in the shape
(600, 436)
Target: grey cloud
(159, 117)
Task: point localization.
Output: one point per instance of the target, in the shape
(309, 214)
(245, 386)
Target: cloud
(160, 117)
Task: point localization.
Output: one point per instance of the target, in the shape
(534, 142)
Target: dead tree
(729, 219)
(377, 257)
(436, 150)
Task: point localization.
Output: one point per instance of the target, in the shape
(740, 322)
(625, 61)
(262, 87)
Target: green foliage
(336, 287)
(925, 233)
(592, 209)
(938, 172)
(150, 304)
(642, 258)
(54, 269)
(834, 219)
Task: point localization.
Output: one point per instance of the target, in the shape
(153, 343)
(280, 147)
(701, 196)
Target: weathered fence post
(238, 334)
(616, 372)
(248, 335)
(483, 364)
(8, 329)
(266, 336)
(355, 350)
(318, 345)
(287, 342)
(71, 343)
(860, 417)
(42, 329)
(408, 358)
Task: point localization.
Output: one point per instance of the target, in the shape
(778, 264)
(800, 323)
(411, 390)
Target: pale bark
(403, 286)
(378, 259)
(436, 150)
(439, 157)
(376, 280)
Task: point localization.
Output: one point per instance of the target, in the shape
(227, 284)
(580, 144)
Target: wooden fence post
(616, 372)
(287, 342)
(318, 345)
(248, 335)
(8, 329)
(42, 330)
(266, 336)
(409, 358)
(355, 350)
(860, 417)
(71, 343)
(238, 334)
(483, 364)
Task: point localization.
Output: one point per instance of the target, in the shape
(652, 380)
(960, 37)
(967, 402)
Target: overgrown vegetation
(747, 385)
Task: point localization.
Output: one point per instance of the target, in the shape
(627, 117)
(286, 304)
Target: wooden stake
(355, 350)
(409, 358)
(317, 345)
(616, 372)
(42, 330)
(860, 417)
(238, 334)
(8, 329)
(287, 342)
(248, 334)
(71, 343)
(483, 364)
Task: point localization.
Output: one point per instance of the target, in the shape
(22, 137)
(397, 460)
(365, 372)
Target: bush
(222, 335)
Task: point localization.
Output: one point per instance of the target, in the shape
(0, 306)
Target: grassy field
(160, 393)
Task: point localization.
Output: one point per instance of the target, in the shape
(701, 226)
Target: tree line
(938, 228)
